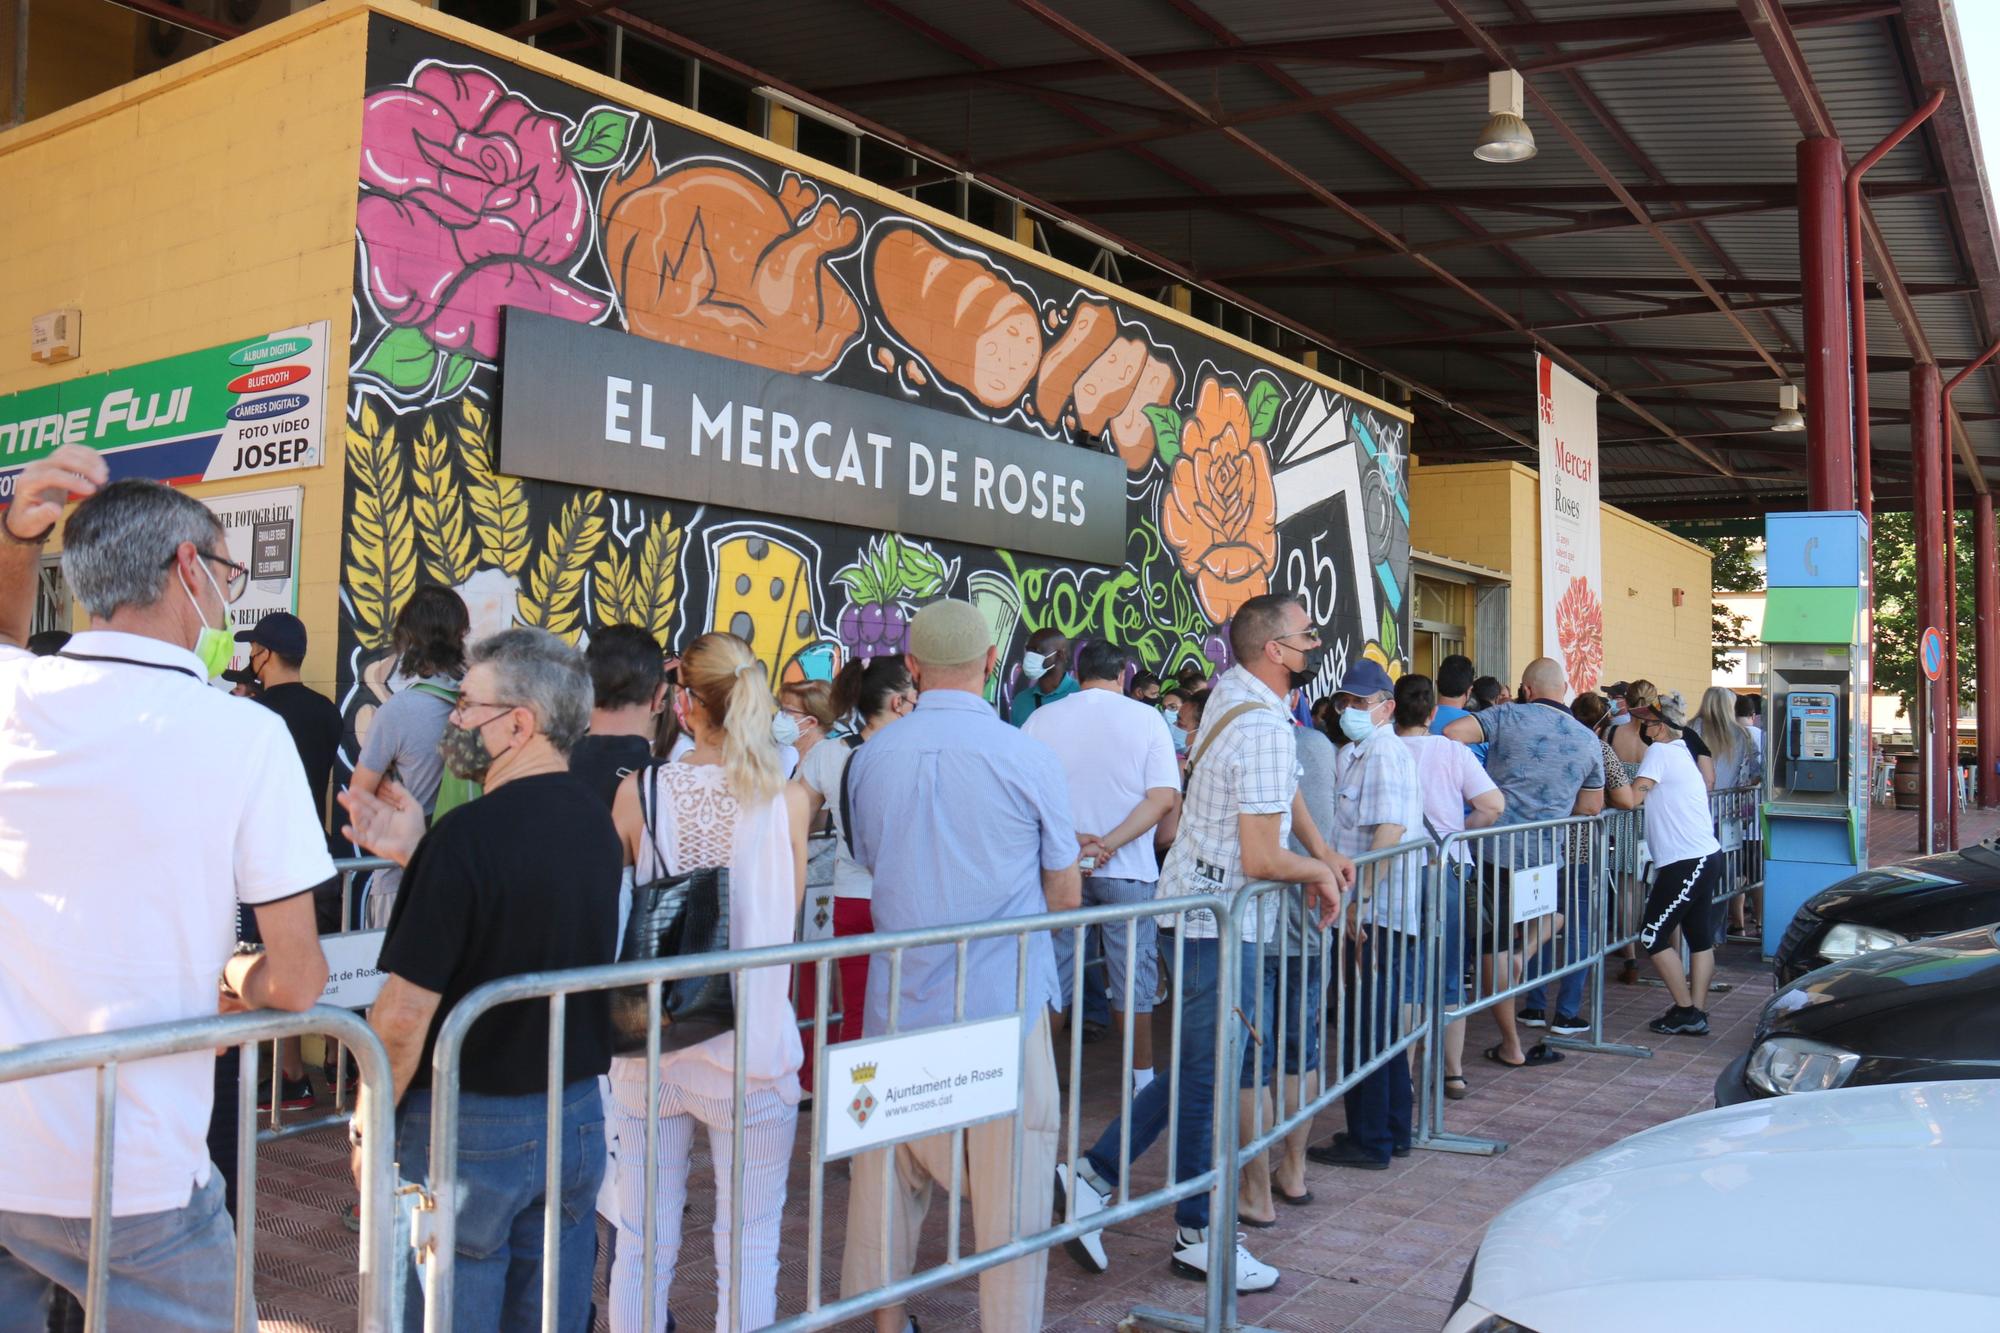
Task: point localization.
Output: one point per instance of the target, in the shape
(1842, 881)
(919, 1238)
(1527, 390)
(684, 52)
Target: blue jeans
(171, 1272)
(1578, 909)
(1380, 1106)
(1281, 1004)
(502, 1166)
(1194, 1141)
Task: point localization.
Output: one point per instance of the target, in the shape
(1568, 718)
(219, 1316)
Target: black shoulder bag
(674, 916)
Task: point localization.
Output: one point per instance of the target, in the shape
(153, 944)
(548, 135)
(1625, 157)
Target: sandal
(1455, 1086)
(1493, 1053)
(1295, 1200)
(1541, 1054)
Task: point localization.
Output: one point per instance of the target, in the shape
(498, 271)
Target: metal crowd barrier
(1376, 1009)
(435, 1236)
(277, 1122)
(105, 1052)
(1536, 905)
(1735, 811)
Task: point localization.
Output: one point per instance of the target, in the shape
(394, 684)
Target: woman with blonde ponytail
(724, 803)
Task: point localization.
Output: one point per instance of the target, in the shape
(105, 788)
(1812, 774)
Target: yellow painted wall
(211, 201)
(1489, 514)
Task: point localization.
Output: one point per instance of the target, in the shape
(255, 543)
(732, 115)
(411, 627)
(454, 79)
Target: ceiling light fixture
(1506, 137)
(1788, 418)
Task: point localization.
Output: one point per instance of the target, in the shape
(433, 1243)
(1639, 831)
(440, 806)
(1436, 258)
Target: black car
(1929, 1010)
(1891, 905)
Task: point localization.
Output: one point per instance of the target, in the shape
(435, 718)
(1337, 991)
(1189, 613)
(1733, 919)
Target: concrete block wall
(211, 201)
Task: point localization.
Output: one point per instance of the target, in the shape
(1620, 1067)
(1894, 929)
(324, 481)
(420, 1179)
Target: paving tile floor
(1371, 1252)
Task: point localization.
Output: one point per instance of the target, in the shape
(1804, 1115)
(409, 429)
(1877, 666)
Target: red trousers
(851, 916)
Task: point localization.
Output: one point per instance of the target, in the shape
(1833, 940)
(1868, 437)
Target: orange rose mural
(1220, 512)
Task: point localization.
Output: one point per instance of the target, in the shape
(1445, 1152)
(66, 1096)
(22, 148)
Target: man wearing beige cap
(961, 819)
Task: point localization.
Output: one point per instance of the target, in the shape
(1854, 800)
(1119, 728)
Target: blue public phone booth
(1816, 693)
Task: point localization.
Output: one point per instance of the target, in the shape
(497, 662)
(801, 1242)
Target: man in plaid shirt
(1380, 805)
(1242, 802)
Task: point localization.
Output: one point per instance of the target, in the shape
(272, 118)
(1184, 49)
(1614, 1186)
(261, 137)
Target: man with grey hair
(206, 808)
(524, 879)
(961, 819)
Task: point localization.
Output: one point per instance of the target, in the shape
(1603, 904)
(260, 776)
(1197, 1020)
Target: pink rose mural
(472, 200)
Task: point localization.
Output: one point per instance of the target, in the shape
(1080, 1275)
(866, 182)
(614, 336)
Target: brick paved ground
(1374, 1252)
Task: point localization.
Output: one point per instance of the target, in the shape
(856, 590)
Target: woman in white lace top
(724, 803)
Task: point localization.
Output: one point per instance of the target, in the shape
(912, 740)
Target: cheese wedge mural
(485, 188)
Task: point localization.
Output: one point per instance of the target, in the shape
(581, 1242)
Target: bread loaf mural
(1243, 475)
(958, 314)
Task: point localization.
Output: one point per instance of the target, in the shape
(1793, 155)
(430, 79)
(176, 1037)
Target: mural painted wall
(484, 186)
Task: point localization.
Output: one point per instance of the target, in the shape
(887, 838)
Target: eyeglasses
(458, 709)
(235, 582)
(1311, 636)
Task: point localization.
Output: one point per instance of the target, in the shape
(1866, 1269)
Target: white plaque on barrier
(1732, 834)
(1534, 892)
(888, 1089)
(352, 981)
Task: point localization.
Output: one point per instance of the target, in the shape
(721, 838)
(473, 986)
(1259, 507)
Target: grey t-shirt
(403, 744)
(1316, 762)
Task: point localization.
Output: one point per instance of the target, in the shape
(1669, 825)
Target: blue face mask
(1357, 724)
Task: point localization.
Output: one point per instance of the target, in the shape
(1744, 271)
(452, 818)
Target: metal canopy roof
(1312, 162)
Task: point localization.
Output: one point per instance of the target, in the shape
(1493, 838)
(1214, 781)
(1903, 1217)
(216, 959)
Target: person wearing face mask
(1242, 802)
(873, 692)
(1045, 669)
(1171, 700)
(524, 879)
(402, 739)
(1681, 835)
(143, 808)
(1380, 805)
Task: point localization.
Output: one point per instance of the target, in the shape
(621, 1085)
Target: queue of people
(530, 796)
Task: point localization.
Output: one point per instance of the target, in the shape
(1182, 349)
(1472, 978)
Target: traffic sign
(1932, 653)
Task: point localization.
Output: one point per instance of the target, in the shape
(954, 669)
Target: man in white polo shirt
(138, 808)
(1123, 780)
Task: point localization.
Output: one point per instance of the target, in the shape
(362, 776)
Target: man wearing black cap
(277, 650)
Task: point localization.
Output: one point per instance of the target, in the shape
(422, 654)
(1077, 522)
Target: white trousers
(769, 1127)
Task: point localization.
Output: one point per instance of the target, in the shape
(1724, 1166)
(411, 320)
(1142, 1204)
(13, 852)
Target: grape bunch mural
(483, 188)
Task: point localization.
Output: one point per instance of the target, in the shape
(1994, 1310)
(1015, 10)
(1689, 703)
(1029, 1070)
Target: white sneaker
(1191, 1260)
(1087, 1249)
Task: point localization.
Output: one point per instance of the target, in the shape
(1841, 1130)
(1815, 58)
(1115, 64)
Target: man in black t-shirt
(628, 682)
(524, 879)
(277, 651)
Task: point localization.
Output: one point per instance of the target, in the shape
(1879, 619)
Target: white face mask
(1034, 666)
(785, 729)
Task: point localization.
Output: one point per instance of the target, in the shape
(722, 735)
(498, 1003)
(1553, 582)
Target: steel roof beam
(1629, 287)
(1595, 197)
(1672, 310)
(1661, 31)
(1300, 177)
(1773, 33)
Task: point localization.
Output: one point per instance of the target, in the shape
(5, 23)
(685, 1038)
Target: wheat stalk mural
(553, 599)
(658, 578)
(499, 506)
(381, 543)
(439, 507)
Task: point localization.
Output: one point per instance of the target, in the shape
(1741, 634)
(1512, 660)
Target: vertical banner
(261, 531)
(1572, 563)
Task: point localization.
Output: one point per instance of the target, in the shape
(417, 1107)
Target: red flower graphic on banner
(1580, 634)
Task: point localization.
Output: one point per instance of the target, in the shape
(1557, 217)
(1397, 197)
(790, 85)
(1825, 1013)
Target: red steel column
(1822, 167)
(1986, 645)
(1934, 723)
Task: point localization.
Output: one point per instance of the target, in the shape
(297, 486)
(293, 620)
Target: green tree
(1898, 629)
(1733, 567)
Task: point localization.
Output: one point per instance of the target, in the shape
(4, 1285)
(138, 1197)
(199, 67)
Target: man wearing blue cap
(1379, 804)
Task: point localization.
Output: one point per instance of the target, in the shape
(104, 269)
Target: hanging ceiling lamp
(1788, 418)
(1506, 137)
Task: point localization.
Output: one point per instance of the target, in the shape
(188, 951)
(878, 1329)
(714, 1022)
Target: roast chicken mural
(484, 188)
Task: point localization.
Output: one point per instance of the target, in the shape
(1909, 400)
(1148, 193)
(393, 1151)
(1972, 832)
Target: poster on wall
(238, 409)
(261, 531)
(524, 428)
(1572, 559)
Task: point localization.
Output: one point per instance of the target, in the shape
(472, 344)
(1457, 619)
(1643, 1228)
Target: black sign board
(271, 549)
(595, 407)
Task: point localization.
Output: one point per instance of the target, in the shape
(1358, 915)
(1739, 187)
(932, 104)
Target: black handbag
(674, 916)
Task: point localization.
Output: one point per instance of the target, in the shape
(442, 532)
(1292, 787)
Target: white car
(1863, 1209)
